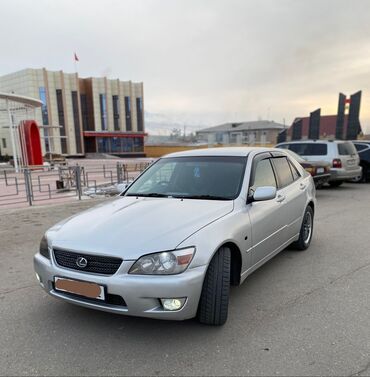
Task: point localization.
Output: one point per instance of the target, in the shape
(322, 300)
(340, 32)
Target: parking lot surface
(302, 313)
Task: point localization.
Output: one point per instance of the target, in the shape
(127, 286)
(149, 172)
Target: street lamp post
(11, 127)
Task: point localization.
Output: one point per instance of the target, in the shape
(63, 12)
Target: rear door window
(294, 170)
(309, 149)
(346, 149)
(284, 173)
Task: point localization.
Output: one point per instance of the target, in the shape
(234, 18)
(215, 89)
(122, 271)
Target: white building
(81, 115)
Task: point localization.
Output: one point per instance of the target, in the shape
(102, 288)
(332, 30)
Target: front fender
(234, 227)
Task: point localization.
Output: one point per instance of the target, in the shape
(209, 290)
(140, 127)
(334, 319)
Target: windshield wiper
(204, 197)
(150, 195)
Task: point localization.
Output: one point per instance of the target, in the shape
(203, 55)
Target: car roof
(229, 151)
(361, 141)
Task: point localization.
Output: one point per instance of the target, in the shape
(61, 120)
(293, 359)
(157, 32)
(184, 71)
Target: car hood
(129, 227)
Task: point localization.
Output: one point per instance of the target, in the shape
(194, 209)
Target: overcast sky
(203, 62)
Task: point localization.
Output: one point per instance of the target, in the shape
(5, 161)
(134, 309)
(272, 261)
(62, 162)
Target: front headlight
(44, 247)
(165, 263)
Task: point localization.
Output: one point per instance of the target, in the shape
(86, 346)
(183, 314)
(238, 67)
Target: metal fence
(39, 184)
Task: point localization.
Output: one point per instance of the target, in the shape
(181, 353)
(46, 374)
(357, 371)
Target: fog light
(173, 303)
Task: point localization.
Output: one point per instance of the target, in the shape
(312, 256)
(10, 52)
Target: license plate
(320, 170)
(351, 162)
(81, 288)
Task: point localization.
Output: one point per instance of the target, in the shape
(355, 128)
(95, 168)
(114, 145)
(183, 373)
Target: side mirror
(264, 193)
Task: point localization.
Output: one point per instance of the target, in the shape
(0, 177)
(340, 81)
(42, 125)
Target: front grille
(95, 263)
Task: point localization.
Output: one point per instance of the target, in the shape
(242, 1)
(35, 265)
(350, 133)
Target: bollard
(78, 181)
(28, 185)
(119, 177)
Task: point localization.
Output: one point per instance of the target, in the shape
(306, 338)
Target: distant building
(260, 132)
(328, 124)
(345, 125)
(81, 115)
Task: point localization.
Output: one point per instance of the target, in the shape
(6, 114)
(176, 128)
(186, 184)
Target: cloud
(208, 61)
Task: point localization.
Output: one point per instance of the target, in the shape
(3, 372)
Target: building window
(103, 111)
(45, 115)
(84, 112)
(138, 144)
(127, 144)
(44, 107)
(4, 142)
(76, 120)
(139, 112)
(115, 100)
(120, 145)
(128, 113)
(61, 120)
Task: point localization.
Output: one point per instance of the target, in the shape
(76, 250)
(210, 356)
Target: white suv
(341, 154)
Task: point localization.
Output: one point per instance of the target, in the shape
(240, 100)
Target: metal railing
(38, 184)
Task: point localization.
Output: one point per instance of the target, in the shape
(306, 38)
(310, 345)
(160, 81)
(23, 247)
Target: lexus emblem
(81, 262)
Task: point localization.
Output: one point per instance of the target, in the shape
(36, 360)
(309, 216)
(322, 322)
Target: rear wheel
(214, 300)
(361, 177)
(335, 183)
(305, 234)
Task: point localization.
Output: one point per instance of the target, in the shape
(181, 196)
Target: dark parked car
(363, 150)
(320, 170)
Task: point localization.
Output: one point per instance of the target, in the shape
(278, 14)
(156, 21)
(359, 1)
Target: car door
(264, 215)
(292, 193)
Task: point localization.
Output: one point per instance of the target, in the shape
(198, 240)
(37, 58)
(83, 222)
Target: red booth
(30, 141)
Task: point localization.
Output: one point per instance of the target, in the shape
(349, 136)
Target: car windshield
(204, 177)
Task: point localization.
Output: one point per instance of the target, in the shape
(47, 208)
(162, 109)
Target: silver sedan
(186, 229)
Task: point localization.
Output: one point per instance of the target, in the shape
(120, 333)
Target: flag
(76, 58)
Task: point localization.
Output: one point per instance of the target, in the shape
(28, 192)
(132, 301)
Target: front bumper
(140, 293)
(344, 174)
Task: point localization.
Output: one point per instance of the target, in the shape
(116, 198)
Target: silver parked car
(189, 226)
(341, 154)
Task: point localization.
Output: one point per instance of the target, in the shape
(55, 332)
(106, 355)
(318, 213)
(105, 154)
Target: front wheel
(214, 300)
(305, 234)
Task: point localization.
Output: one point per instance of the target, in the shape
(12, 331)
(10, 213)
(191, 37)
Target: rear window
(309, 149)
(345, 149)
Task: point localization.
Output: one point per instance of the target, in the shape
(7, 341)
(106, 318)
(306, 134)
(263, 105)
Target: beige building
(261, 132)
(81, 115)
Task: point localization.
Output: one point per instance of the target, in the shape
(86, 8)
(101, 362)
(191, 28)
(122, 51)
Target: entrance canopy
(14, 110)
(33, 102)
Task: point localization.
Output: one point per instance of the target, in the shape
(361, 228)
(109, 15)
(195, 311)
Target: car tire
(214, 300)
(362, 177)
(335, 183)
(366, 172)
(305, 234)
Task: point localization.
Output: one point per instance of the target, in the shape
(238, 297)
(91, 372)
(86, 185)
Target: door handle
(280, 198)
(302, 186)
